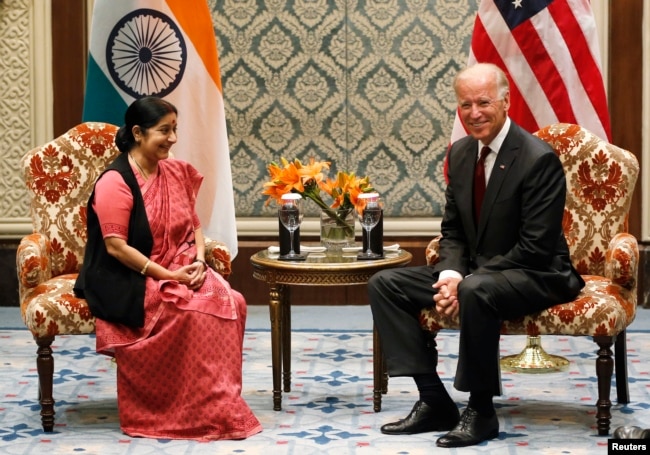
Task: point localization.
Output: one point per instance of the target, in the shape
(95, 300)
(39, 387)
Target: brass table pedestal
(319, 269)
(534, 359)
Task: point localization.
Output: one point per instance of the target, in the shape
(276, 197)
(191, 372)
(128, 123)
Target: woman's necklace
(142, 173)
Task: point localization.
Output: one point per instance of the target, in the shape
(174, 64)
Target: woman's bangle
(144, 269)
(205, 264)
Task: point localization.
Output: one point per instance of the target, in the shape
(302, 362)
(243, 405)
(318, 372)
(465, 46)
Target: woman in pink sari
(174, 326)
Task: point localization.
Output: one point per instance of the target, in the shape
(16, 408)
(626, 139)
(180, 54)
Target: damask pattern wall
(365, 84)
(15, 105)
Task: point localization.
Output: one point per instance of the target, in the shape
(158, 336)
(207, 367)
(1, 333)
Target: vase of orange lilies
(338, 217)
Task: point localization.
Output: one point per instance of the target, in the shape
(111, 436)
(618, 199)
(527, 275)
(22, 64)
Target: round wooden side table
(319, 269)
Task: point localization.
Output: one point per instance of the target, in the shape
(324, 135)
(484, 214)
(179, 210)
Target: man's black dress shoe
(471, 430)
(423, 418)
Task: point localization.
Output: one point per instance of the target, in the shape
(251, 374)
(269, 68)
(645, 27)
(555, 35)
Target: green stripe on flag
(102, 103)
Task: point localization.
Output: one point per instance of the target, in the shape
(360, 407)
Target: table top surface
(317, 261)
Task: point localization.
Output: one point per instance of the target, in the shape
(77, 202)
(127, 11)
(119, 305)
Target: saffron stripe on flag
(194, 23)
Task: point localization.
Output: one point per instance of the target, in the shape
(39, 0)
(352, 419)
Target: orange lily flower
(308, 180)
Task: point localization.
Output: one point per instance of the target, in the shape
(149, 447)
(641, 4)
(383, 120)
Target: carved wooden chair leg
(45, 368)
(604, 370)
(620, 365)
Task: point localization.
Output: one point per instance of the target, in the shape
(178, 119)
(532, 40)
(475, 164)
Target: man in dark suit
(506, 259)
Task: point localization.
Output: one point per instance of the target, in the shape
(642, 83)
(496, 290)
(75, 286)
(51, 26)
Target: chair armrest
(217, 255)
(432, 251)
(622, 261)
(33, 264)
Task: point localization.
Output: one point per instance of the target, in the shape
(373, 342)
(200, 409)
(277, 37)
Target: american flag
(549, 50)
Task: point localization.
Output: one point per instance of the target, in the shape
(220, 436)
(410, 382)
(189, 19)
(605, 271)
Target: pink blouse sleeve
(113, 203)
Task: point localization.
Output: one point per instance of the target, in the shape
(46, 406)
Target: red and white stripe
(552, 60)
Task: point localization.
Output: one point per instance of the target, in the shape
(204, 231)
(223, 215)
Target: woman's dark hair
(145, 113)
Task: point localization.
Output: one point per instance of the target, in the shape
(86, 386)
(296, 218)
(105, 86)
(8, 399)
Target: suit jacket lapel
(464, 190)
(502, 165)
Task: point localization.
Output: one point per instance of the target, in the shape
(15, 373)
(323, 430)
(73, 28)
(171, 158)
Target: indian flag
(167, 49)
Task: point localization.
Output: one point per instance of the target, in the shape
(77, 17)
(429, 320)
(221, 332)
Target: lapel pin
(502, 166)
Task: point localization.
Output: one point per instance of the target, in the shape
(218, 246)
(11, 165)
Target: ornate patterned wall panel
(365, 84)
(15, 107)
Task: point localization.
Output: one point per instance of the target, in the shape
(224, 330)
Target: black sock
(432, 390)
(482, 403)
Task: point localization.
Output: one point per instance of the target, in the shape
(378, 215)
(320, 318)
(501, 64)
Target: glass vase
(337, 229)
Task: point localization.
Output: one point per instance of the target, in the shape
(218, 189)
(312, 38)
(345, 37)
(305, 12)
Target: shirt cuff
(449, 274)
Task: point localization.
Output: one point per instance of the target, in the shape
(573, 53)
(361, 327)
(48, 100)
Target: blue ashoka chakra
(146, 54)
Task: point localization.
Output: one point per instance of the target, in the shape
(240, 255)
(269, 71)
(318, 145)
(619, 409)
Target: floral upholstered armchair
(600, 182)
(60, 176)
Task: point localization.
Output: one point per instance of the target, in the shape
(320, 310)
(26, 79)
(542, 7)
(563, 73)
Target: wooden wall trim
(626, 86)
(625, 106)
(69, 57)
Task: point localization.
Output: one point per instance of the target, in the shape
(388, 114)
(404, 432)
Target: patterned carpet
(328, 411)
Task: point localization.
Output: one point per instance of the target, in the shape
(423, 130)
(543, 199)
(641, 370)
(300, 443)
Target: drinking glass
(370, 216)
(290, 214)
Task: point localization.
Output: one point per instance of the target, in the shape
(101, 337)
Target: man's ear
(506, 101)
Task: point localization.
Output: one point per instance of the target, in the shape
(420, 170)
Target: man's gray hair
(503, 86)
